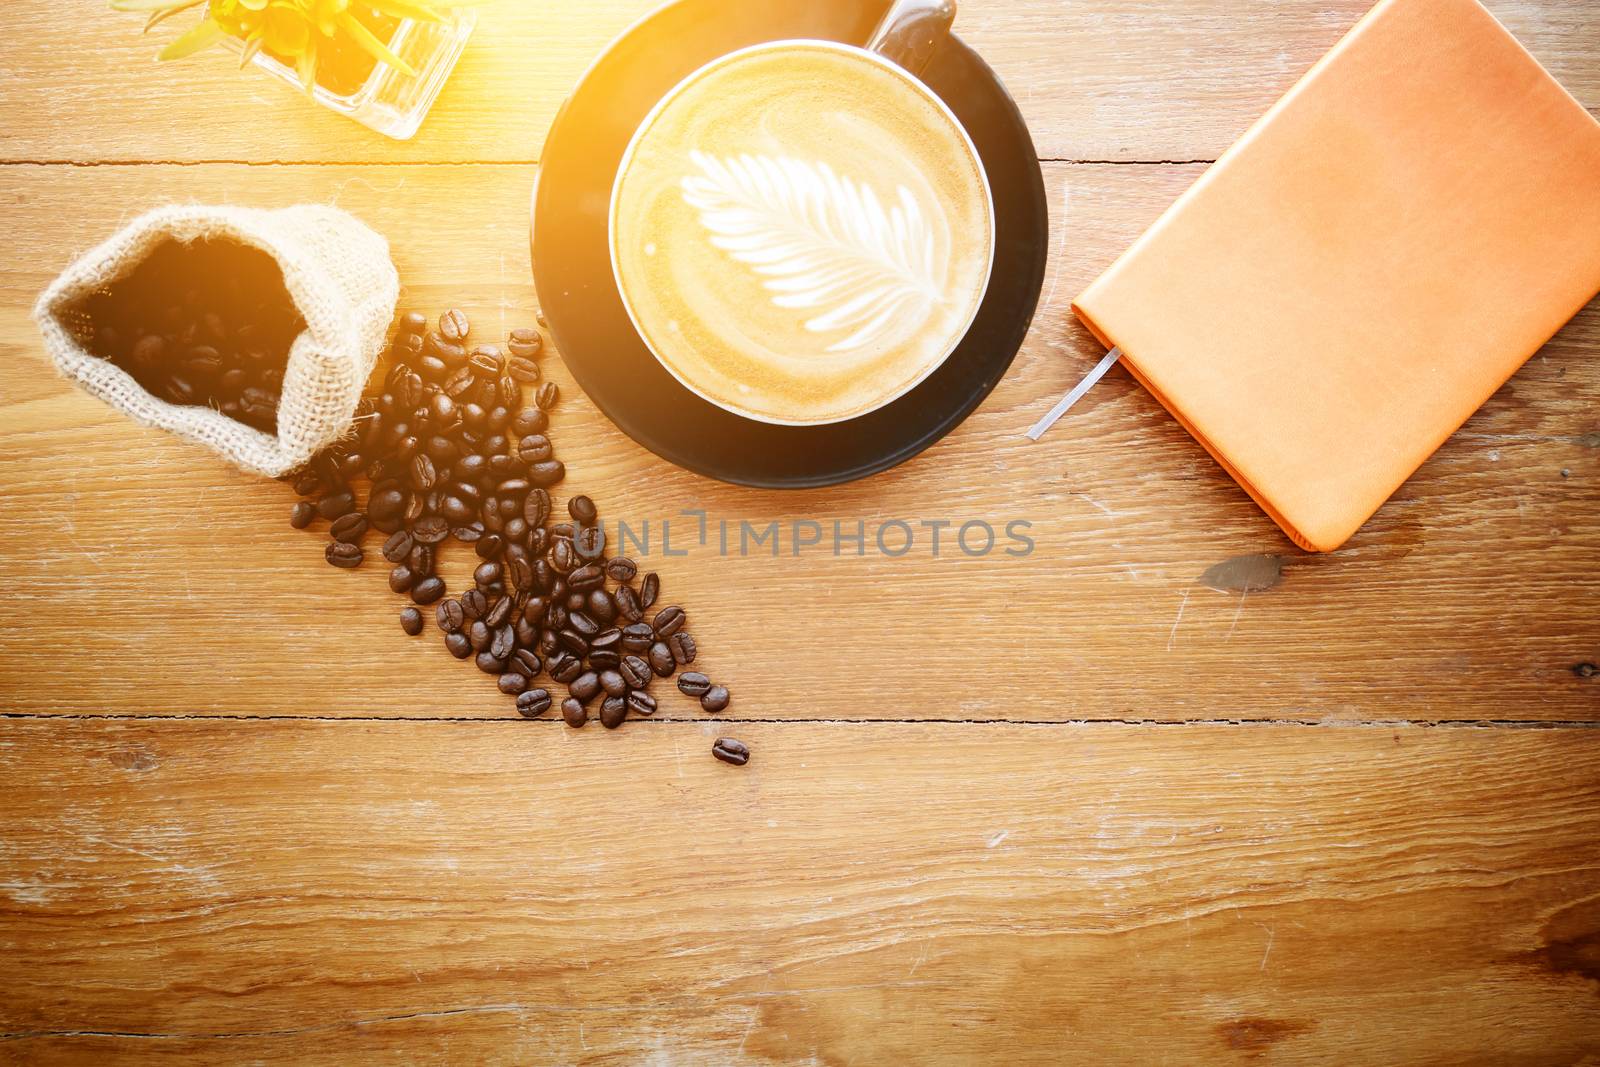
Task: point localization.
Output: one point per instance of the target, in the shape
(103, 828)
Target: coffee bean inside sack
(453, 456)
(206, 323)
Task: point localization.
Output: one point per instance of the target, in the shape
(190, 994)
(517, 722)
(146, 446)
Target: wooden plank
(519, 892)
(1096, 79)
(146, 577)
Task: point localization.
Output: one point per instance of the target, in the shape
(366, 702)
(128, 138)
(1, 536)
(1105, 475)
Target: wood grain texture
(1096, 79)
(1470, 596)
(879, 893)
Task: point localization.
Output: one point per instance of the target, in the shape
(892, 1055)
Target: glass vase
(389, 101)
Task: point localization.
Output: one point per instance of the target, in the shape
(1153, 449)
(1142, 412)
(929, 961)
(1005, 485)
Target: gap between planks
(658, 720)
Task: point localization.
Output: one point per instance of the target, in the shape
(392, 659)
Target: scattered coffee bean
(454, 326)
(450, 616)
(728, 750)
(350, 527)
(573, 711)
(428, 590)
(641, 703)
(401, 579)
(398, 546)
(662, 660)
(694, 683)
(716, 698)
(636, 672)
(458, 645)
(344, 555)
(649, 589)
(613, 712)
(613, 683)
(488, 664)
(512, 684)
(411, 621)
(683, 647)
(585, 686)
(564, 667)
(335, 504)
(668, 621)
(301, 515)
(547, 396)
(621, 569)
(533, 703)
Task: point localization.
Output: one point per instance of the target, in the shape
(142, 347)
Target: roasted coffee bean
(641, 703)
(728, 750)
(694, 683)
(627, 604)
(534, 448)
(428, 590)
(526, 661)
(661, 660)
(582, 510)
(613, 682)
(527, 633)
(513, 487)
(335, 504)
(474, 604)
(581, 622)
(600, 606)
(301, 514)
(486, 574)
(555, 616)
(544, 577)
(456, 510)
(548, 473)
(613, 712)
(401, 579)
(536, 508)
(587, 577)
(485, 362)
(563, 531)
(512, 683)
(343, 555)
(504, 642)
(668, 621)
(411, 621)
(564, 667)
(574, 642)
(450, 616)
(621, 569)
(424, 475)
(683, 647)
(350, 527)
(533, 609)
(577, 602)
(584, 686)
(573, 711)
(590, 542)
(525, 341)
(480, 634)
(431, 529)
(603, 660)
(458, 645)
(461, 380)
(649, 589)
(489, 546)
(716, 698)
(500, 614)
(523, 369)
(563, 557)
(516, 529)
(306, 483)
(421, 560)
(638, 636)
(530, 421)
(413, 322)
(635, 671)
(488, 664)
(521, 573)
(508, 390)
(431, 367)
(547, 396)
(533, 703)
(469, 534)
(454, 326)
(386, 507)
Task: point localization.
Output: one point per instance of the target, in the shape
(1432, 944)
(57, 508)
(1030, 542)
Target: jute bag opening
(337, 273)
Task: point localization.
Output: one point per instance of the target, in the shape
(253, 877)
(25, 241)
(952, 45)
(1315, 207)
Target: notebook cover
(1367, 265)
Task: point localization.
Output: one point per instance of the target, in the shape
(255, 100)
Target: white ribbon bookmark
(1066, 402)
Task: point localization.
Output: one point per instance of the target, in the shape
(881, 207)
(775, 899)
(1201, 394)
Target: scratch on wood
(1172, 634)
(995, 839)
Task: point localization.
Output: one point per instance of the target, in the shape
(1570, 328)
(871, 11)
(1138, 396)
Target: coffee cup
(801, 231)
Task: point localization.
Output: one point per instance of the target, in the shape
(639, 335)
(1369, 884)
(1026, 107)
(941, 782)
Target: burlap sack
(338, 273)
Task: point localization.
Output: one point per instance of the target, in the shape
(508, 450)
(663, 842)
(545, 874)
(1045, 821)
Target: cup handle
(912, 31)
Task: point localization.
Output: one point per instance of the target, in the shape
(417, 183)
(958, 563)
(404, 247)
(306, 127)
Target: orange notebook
(1366, 266)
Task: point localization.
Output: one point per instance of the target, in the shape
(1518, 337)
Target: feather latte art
(801, 232)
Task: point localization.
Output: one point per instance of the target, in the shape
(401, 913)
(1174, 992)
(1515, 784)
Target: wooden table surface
(1074, 807)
